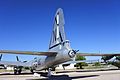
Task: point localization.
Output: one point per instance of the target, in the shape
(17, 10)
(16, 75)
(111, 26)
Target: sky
(90, 25)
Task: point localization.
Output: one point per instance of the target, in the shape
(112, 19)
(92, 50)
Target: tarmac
(65, 75)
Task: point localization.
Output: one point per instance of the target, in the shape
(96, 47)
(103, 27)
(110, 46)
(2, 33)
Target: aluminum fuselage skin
(51, 61)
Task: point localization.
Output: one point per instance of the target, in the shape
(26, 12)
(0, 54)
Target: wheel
(19, 71)
(31, 70)
(15, 72)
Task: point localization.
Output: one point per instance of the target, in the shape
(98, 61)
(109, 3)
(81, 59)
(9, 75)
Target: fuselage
(64, 54)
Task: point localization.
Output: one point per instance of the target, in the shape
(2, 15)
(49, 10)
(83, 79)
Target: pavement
(65, 75)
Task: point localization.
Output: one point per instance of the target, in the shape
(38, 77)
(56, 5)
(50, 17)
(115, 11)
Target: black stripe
(55, 20)
(69, 54)
(60, 36)
(54, 45)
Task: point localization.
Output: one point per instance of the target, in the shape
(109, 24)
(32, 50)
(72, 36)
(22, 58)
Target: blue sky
(90, 25)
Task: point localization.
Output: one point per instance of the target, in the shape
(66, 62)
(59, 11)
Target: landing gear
(53, 68)
(31, 70)
(17, 70)
(50, 73)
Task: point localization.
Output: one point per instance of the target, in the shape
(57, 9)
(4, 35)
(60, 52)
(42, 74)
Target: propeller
(76, 51)
(75, 54)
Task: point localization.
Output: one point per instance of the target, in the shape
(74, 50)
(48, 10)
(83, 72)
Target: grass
(4, 70)
(90, 66)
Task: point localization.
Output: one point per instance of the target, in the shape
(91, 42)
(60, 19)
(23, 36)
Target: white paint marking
(57, 19)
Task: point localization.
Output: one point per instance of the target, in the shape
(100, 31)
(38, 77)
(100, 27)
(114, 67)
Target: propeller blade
(76, 51)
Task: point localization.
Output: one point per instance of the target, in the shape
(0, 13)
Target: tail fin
(58, 34)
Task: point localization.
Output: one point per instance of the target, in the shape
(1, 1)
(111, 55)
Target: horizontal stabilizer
(28, 52)
(10, 63)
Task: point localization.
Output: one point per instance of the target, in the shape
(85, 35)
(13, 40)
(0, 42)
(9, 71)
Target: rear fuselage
(64, 54)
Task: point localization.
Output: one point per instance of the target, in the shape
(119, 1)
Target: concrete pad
(66, 75)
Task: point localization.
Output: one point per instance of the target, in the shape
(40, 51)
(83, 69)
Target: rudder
(58, 34)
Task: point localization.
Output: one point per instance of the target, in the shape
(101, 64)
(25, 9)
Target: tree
(81, 64)
(78, 57)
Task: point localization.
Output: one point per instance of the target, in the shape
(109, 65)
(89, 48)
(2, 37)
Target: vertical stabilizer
(58, 34)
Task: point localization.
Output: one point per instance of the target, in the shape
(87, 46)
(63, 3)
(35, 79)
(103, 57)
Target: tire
(19, 71)
(31, 70)
(15, 72)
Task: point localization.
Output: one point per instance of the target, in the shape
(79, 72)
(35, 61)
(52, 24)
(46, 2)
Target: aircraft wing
(10, 63)
(98, 54)
(28, 52)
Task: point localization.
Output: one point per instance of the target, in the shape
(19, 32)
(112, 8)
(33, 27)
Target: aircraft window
(67, 42)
